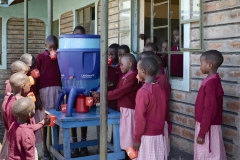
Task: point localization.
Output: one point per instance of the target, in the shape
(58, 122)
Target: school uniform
(208, 116)
(22, 142)
(176, 66)
(163, 80)
(48, 84)
(125, 93)
(150, 113)
(113, 77)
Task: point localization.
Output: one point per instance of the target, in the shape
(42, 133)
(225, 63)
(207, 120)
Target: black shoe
(84, 151)
(75, 153)
(46, 155)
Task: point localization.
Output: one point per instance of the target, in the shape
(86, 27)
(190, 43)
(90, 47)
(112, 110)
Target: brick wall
(15, 46)
(221, 32)
(66, 23)
(112, 21)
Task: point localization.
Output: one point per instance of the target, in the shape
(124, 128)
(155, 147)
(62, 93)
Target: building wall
(221, 32)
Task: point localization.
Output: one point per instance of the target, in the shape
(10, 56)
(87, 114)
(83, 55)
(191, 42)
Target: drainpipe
(103, 80)
(50, 17)
(26, 26)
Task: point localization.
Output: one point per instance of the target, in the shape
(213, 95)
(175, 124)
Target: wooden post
(50, 17)
(25, 26)
(103, 80)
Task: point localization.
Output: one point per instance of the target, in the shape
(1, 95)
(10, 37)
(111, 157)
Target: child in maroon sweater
(49, 83)
(208, 142)
(21, 132)
(150, 113)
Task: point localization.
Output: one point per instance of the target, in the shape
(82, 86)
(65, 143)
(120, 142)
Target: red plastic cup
(89, 101)
(53, 54)
(52, 119)
(64, 108)
(32, 82)
(110, 61)
(132, 153)
(35, 73)
(32, 96)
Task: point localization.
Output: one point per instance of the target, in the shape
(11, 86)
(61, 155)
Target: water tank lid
(79, 36)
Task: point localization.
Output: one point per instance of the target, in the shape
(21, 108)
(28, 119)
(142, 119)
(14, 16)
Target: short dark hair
(153, 46)
(146, 54)
(213, 56)
(159, 60)
(79, 28)
(149, 65)
(114, 46)
(52, 39)
(130, 57)
(125, 48)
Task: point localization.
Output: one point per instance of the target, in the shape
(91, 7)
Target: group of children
(140, 90)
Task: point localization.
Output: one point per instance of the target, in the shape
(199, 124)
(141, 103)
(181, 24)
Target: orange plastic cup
(110, 61)
(32, 82)
(53, 119)
(35, 73)
(53, 54)
(89, 101)
(64, 108)
(132, 153)
(138, 78)
(32, 96)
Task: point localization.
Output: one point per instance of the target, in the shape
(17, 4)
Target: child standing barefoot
(208, 142)
(49, 83)
(150, 113)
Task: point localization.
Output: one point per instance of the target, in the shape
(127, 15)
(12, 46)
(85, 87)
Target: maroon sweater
(113, 77)
(125, 91)
(176, 68)
(151, 106)
(209, 104)
(163, 80)
(49, 70)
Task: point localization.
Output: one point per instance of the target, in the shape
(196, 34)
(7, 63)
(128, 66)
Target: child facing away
(49, 83)
(16, 67)
(208, 141)
(151, 47)
(150, 114)
(21, 133)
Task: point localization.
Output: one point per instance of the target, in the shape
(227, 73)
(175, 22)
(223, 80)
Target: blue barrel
(79, 56)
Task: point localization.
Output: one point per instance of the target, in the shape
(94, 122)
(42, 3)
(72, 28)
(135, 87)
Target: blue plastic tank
(79, 58)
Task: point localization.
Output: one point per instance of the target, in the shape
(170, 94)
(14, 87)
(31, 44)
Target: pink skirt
(126, 127)
(202, 151)
(5, 151)
(152, 148)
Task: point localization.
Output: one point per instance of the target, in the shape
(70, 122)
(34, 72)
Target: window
(124, 24)
(173, 22)
(86, 18)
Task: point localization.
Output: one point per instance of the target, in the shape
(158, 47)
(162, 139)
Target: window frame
(129, 31)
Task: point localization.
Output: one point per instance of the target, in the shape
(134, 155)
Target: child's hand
(46, 121)
(110, 84)
(96, 97)
(200, 140)
(136, 146)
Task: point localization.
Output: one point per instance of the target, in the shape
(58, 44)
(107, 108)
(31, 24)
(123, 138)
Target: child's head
(113, 52)
(79, 30)
(159, 60)
(146, 67)
(29, 60)
(20, 84)
(127, 62)
(123, 49)
(151, 47)
(19, 66)
(145, 54)
(165, 46)
(24, 108)
(176, 35)
(148, 40)
(51, 43)
(210, 61)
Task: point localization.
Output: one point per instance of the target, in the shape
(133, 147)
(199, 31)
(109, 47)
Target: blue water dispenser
(79, 62)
